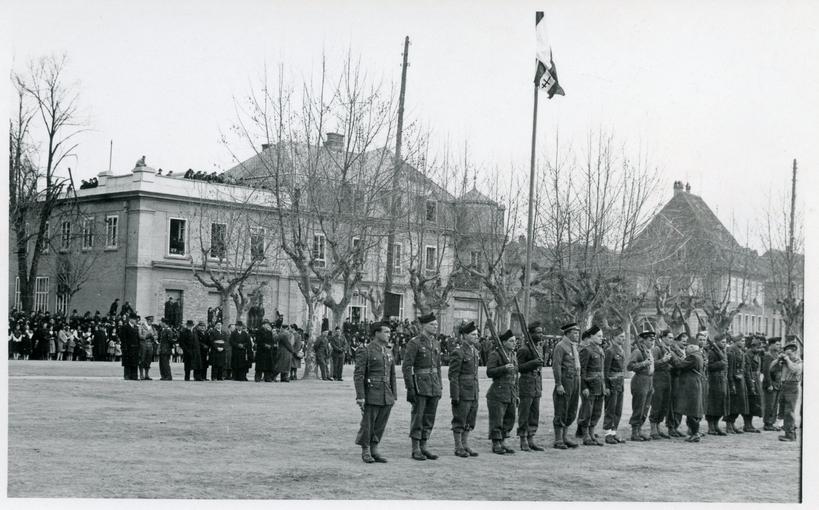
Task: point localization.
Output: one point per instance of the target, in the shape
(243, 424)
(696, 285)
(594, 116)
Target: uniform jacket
(591, 369)
(422, 366)
(753, 372)
(374, 375)
(167, 339)
(771, 372)
(463, 373)
(737, 396)
(321, 346)
(614, 368)
(504, 386)
(717, 402)
(565, 365)
(531, 373)
(339, 344)
(129, 335)
(641, 361)
(657, 352)
(688, 399)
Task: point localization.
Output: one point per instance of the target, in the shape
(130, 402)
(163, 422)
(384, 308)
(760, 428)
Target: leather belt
(378, 378)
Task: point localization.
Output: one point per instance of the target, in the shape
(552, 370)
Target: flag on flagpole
(546, 73)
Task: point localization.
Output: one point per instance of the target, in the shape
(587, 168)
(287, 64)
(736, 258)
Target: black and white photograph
(356, 252)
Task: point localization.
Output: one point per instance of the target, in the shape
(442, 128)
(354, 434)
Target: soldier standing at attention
(716, 401)
(689, 397)
(737, 395)
(566, 369)
(463, 388)
(753, 383)
(677, 350)
(146, 347)
(614, 367)
(502, 396)
(641, 363)
(530, 366)
(340, 348)
(375, 394)
(771, 376)
(320, 348)
(591, 383)
(422, 377)
(661, 384)
(791, 382)
(167, 340)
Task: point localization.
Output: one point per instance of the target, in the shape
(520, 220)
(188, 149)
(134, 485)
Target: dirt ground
(76, 429)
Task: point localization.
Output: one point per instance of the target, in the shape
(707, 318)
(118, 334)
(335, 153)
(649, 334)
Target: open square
(78, 430)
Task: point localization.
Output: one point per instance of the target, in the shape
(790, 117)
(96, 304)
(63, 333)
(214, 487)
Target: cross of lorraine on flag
(546, 73)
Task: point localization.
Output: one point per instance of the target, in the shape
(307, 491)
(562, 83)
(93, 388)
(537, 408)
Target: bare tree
(46, 102)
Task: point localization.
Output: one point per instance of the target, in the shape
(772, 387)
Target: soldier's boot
(465, 441)
(428, 454)
(505, 447)
(711, 429)
(497, 448)
(569, 442)
(612, 439)
(147, 376)
(594, 437)
(532, 445)
(416, 450)
(375, 454)
(635, 433)
(365, 455)
(588, 440)
(524, 445)
(673, 432)
(654, 431)
(748, 424)
(559, 444)
(663, 435)
(459, 445)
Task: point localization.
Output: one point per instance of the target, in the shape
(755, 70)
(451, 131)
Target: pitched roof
(475, 196)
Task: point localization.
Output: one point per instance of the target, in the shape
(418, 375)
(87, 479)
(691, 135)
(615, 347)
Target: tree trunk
(225, 300)
(309, 355)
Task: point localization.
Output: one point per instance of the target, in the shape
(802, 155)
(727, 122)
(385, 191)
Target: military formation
(673, 376)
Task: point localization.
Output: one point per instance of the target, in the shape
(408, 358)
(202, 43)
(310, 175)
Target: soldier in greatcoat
(530, 384)
(566, 369)
(614, 369)
(661, 384)
(502, 397)
(375, 391)
(463, 388)
(641, 363)
(753, 384)
(737, 394)
(677, 349)
(129, 336)
(422, 378)
(592, 389)
(689, 395)
(716, 405)
(265, 360)
(771, 376)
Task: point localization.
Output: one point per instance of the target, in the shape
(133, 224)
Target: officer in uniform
(566, 369)
(422, 377)
(641, 363)
(167, 340)
(530, 365)
(501, 399)
(661, 384)
(592, 389)
(771, 376)
(375, 394)
(146, 347)
(463, 388)
(614, 366)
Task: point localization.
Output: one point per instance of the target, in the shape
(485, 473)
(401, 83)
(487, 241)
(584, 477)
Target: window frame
(65, 236)
(314, 252)
(41, 296)
(223, 254)
(396, 259)
(427, 268)
(434, 204)
(88, 233)
(109, 226)
(257, 232)
(184, 240)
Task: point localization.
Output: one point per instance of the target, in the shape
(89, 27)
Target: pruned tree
(46, 115)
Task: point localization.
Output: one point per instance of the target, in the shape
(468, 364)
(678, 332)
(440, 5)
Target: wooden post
(530, 223)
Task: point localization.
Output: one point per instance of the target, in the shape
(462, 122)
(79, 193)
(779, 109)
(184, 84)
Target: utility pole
(396, 177)
(110, 155)
(789, 257)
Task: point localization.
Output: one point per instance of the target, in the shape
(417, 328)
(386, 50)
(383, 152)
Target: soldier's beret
(506, 335)
(424, 319)
(572, 326)
(791, 347)
(590, 332)
(533, 326)
(467, 328)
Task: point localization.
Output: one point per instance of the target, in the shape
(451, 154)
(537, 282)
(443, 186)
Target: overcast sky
(720, 94)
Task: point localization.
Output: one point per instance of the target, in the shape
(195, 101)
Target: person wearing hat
(737, 390)
(129, 334)
(463, 387)
(566, 370)
(201, 335)
(265, 357)
(614, 368)
(501, 399)
(716, 402)
(146, 347)
(321, 348)
(191, 353)
(771, 377)
(689, 395)
(340, 346)
(216, 338)
(375, 391)
(167, 340)
(753, 382)
(530, 365)
(241, 357)
(791, 388)
(283, 342)
(641, 362)
(661, 384)
(592, 389)
(676, 347)
(421, 369)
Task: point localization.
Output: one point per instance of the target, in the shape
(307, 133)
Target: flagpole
(530, 226)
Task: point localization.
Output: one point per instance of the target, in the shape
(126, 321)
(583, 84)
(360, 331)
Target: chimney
(678, 187)
(334, 141)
